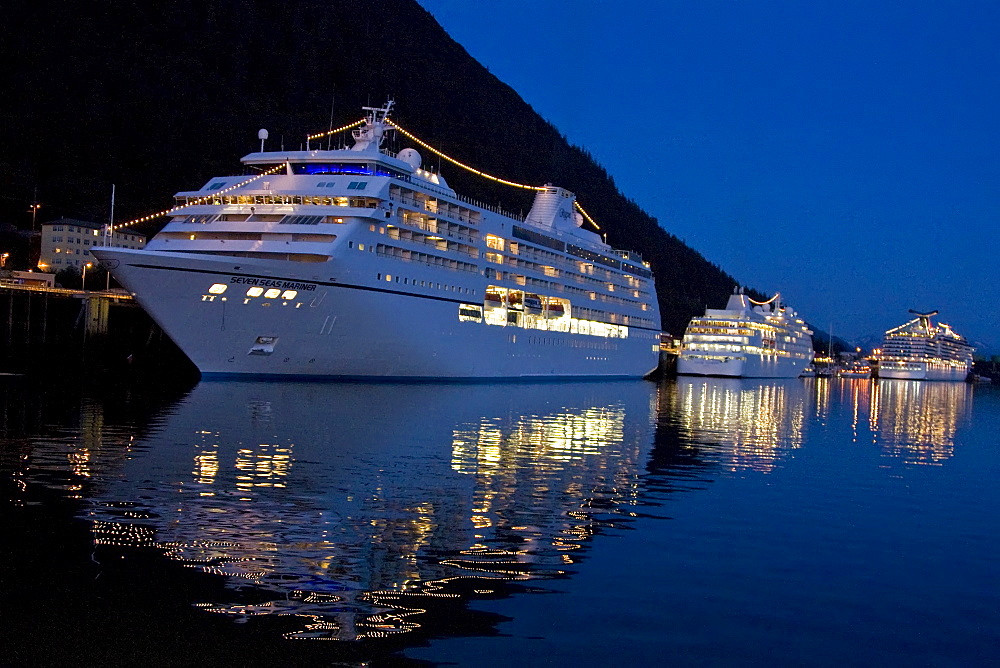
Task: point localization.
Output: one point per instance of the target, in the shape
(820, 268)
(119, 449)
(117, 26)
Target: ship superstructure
(747, 339)
(357, 262)
(923, 350)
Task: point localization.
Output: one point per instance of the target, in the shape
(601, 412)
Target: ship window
(255, 292)
(302, 220)
(218, 288)
(329, 168)
(470, 313)
(217, 185)
(201, 220)
(357, 185)
(321, 184)
(272, 293)
(388, 277)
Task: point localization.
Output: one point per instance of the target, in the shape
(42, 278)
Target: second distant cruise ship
(747, 339)
(357, 262)
(922, 350)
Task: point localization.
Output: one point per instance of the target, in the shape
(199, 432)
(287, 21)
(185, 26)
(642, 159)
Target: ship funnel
(553, 207)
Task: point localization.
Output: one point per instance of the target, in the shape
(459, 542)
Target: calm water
(817, 522)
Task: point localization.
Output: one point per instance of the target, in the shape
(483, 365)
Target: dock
(42, 327)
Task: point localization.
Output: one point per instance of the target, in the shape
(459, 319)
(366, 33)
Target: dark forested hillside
(158, 96)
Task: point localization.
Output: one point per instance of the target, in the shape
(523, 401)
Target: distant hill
(158, 96)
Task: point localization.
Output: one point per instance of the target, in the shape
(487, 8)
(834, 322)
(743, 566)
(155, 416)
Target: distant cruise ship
(356, 262)
(921, 350)
(746, 339)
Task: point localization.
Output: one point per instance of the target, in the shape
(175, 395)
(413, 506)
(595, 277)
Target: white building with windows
(67, 242)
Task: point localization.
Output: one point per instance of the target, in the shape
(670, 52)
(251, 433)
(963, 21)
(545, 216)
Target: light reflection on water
(751, 423)
(350, 507)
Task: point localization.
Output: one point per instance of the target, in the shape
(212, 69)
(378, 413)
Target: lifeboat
(532, 304)
(555, 310)
(515, 300)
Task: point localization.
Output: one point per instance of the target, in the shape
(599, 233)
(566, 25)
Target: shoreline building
(66, 242)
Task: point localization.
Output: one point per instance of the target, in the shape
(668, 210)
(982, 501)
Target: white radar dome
(410, 157)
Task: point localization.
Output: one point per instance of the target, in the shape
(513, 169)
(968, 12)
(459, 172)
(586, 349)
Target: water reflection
(349, 507)
(916, 420)
(750, 423)
(349, 511)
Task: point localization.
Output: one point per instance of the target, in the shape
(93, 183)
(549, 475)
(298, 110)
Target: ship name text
(271, 283)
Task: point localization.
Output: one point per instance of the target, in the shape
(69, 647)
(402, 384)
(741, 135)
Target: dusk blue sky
(845, 154)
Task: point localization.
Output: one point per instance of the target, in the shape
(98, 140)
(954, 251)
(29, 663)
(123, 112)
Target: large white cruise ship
(747, 339)
(921, 350)
(356, 262)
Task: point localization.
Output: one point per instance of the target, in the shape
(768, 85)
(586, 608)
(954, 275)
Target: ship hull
(924, 371)
(348, 329)
(750, 366)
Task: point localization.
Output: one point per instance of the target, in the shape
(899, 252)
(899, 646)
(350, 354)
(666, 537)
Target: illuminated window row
(259, 200)
(246, 236)
(218, 289)
(280, 218)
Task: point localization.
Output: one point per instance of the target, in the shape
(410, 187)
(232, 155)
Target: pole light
(83, 283)
(35, 206)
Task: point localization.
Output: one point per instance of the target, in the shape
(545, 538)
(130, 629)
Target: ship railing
(627, 255)
(424, 258)
(437, 211)
(434, 228)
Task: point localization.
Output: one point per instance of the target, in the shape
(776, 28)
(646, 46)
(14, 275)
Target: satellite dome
(410, 157)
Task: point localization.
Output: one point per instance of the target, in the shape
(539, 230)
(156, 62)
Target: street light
(83, 284)
(34, 212)
(3, 259)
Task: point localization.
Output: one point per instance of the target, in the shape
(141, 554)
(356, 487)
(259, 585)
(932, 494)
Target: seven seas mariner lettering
(272, 283)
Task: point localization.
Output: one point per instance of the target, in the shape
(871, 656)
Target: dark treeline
(157, 97)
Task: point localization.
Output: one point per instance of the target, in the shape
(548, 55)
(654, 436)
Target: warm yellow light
(289, 294)
(218, 288)
(272, 293)
(255, 292)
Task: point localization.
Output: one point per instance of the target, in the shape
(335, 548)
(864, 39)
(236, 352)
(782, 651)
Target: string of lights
(344, 128)
(586, 215)
(752, 301)
(320, 135)
(200, 200)
(412, 137)
(460, 164)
